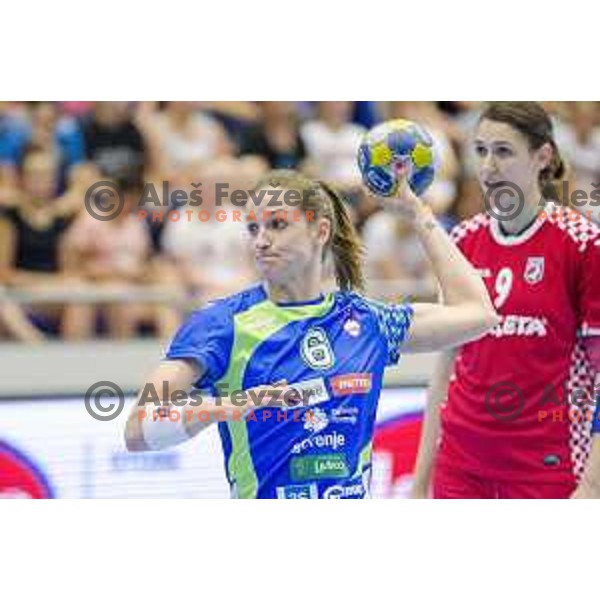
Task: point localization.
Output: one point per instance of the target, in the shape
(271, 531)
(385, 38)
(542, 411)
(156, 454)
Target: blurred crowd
(51, 248)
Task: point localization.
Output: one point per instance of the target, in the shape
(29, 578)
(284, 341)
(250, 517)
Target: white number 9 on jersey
(504, 282)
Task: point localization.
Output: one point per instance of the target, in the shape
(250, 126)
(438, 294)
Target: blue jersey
(333, 350)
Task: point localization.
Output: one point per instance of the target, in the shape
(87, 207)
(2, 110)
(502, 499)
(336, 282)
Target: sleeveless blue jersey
(333, 350)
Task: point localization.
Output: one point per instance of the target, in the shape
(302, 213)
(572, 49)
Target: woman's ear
(325, 231)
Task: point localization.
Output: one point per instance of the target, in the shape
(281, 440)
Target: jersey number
(503, 285)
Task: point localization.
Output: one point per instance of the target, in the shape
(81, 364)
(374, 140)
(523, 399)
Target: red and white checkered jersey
(519, 402)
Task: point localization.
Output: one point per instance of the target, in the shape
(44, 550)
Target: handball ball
(391, 144)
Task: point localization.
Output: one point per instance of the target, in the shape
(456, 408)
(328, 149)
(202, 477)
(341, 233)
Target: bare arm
(7, 250)
(436, 394)
(172, 376)
(179, 376)
(145, 117)
(589, 486)
(16, 323)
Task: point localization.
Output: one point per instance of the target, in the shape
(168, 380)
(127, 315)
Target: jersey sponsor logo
(344, 414)
(311, 391)
(352, 327)
(316, 350)
(517, 325)
(307, 491)
(351, 383)
(339, 492)
(315, 420)
(333, 440)
(534, 270)
(318, 466)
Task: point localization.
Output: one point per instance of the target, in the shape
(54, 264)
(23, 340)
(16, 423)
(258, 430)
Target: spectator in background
(469, 200)
(9, 185)
(80, 179)
(113, 141)
(235, 116)
(41, 127)
(52, 132)
(579, 141)
(386, 237)
(15, 325)
(332, 142)
(276, 139)
(31, 233)
(461, 115)
(207, 253)
(180, 135)
(77, 108)
(116, 255)
(13, 135)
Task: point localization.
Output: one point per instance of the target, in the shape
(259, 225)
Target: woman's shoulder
(470, 226)
(229, 306)
(386, 317)
(360, 302)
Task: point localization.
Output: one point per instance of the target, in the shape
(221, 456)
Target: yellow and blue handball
(391, 144)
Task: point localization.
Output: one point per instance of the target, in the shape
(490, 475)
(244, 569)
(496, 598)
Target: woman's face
(45, 116)
(273, 111)
(40, 176)
(286, 242)
(336, 112)
(503, 154)
(111, 113)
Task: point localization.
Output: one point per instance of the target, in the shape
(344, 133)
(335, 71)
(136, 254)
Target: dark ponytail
(552, 176)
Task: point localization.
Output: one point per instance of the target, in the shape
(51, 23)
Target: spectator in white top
(205, 243)
(386, 237)
(332, 142)
(181, 134)
(579, 141)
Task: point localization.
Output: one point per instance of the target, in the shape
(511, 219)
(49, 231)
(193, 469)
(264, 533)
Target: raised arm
(465, 311)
